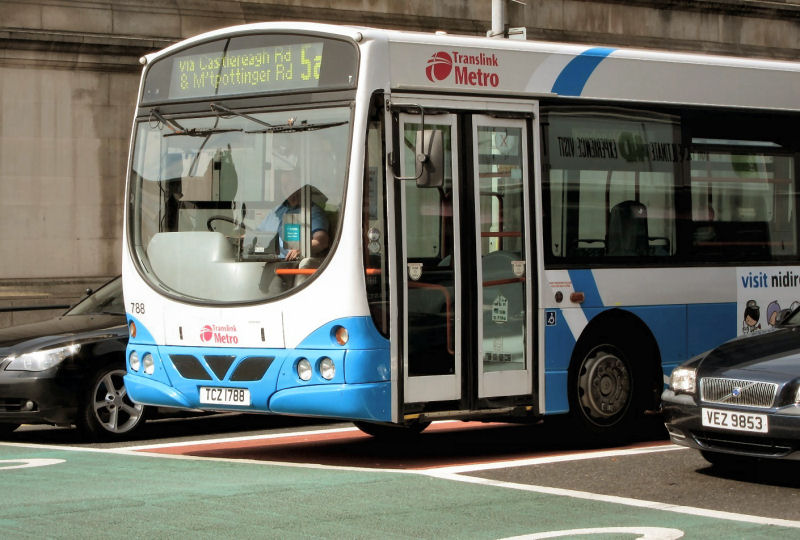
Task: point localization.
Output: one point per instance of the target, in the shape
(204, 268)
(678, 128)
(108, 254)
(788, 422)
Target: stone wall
(69, 76)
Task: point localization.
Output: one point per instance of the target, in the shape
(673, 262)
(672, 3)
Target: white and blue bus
(392, 227)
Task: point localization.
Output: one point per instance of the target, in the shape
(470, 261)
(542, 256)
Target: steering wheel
(229, 219)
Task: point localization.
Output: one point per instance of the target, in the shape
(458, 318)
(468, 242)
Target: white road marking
(5, 464)
(453, 473)
(613, 499)
(643, 533)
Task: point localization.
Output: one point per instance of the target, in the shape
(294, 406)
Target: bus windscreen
(250, 64)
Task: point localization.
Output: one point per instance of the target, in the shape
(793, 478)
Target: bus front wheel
(392, 432)
(605, 393)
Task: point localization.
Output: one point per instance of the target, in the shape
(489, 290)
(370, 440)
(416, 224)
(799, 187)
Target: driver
(288, 182)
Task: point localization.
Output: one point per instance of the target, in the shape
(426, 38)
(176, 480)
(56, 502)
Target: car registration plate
(735, 421)
(224, 396)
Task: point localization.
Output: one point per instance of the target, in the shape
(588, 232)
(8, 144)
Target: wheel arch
(616, 325)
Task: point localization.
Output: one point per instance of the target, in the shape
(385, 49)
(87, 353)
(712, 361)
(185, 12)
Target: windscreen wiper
(293, 127)
(216, 107)
(200, 132)
(172, 124)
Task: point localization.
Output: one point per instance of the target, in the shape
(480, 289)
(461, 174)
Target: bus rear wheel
(605, 393)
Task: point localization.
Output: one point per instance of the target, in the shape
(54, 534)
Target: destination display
(250, 65)
(281, 67)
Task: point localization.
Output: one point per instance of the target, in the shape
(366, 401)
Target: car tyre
(106, 412)
(391, 432)
(6, 429)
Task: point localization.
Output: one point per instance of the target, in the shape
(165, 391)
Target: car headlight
(42, 360)
(683, 380)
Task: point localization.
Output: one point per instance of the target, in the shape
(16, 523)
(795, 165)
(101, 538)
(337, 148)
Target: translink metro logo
(469, 69)
(219, 334)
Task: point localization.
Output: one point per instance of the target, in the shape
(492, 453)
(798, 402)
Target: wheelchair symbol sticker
(550, 318)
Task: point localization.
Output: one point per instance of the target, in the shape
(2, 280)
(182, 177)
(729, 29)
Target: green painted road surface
(83, 493)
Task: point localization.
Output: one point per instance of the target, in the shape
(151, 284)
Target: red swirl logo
(439, 66)
(206, 333)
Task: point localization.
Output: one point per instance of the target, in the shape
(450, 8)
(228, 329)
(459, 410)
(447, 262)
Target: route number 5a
(311, 65)
(137, 308)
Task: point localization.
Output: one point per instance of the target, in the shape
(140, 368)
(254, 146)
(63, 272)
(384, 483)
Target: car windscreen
(106, 300)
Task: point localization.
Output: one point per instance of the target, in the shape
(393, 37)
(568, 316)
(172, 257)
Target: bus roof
(478, 65)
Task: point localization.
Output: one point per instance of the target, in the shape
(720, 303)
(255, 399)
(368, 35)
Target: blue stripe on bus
(573, 77)
(583, 281)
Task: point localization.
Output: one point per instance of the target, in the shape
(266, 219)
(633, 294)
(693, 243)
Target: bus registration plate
(224, 396)
(735, 421)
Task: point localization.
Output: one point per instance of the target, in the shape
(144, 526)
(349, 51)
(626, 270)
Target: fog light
(304, 369)
(133, 360)
(327, 369)
(148, 363)
(28, 406)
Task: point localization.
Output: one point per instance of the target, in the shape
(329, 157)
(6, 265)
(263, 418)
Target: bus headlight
(327, 368)
(148, 363)
(682, 380)
(134, 362)
(304, 369)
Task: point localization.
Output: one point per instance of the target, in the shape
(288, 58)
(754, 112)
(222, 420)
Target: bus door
(429, 278)
(504, 263)
(465, 265)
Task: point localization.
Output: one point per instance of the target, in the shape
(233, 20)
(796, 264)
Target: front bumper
(682, 417)
(37, 398)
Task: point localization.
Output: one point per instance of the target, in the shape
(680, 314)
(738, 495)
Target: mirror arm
(421, 158)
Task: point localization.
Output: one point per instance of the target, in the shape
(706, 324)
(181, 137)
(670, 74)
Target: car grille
(759, 446)
(738, 392)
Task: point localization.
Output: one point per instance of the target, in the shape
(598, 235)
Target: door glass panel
(501, 222)
(430, 262)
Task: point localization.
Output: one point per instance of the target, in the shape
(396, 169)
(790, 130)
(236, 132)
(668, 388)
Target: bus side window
(611, 180)
(742, 201)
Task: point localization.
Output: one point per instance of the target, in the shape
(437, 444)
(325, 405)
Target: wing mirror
(430, 158)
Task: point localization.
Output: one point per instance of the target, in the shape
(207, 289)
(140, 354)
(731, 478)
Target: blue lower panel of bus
(213, 378)
(362, 401)
(680, 332)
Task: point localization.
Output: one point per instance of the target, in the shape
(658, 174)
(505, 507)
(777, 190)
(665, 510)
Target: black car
(69, 370)
(741, 400)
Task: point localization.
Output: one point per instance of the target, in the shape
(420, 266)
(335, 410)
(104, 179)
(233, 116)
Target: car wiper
(216, 107)
(293, 127)
(200, 132)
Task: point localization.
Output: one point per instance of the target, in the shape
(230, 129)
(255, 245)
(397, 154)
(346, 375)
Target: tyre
(607, 393)
(5, 429)
(106, 412)
(392, 432)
